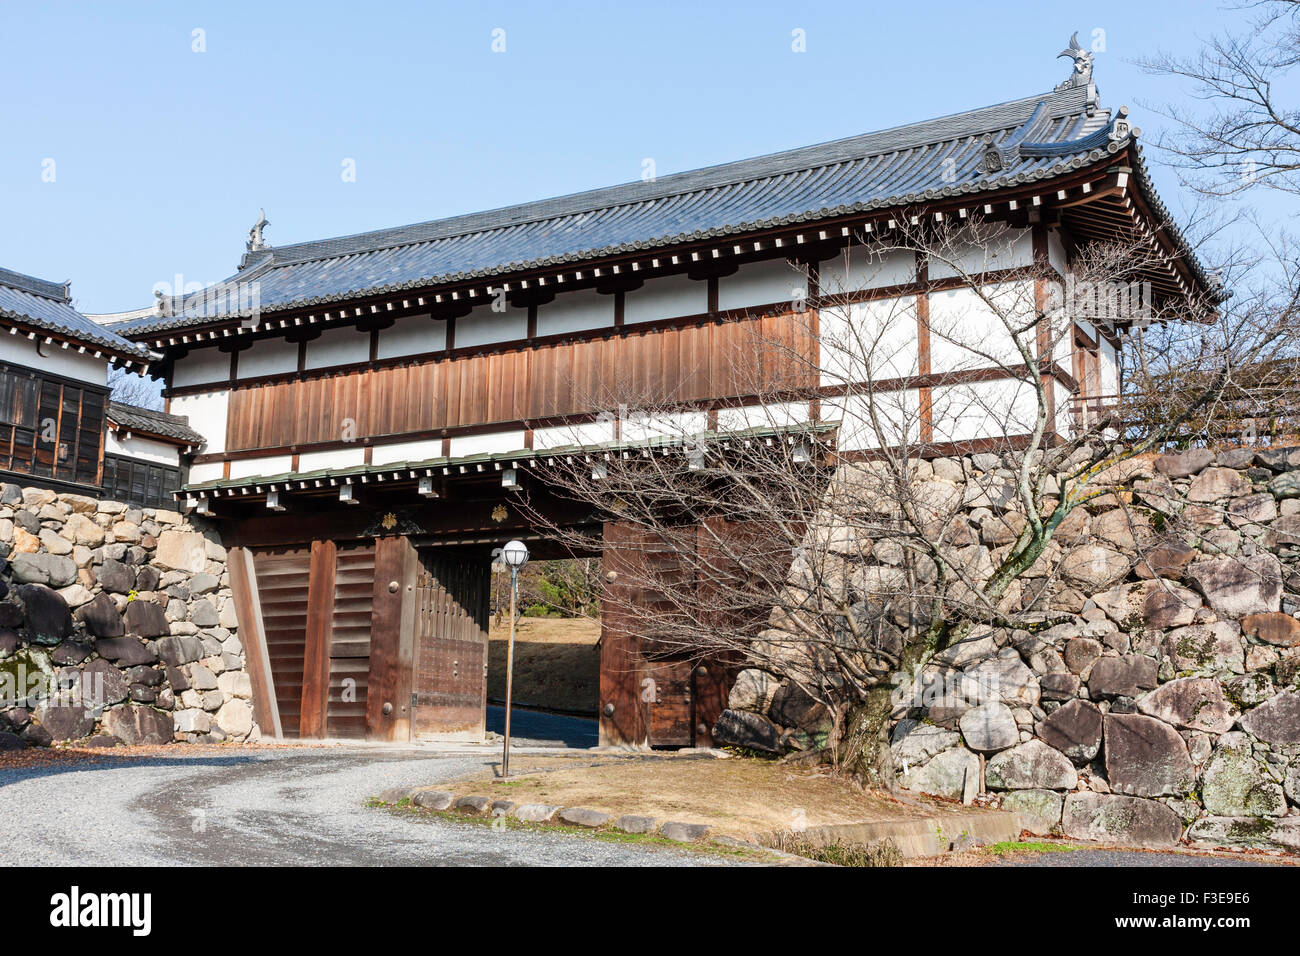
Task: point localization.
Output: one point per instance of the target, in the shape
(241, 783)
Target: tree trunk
(864, 746)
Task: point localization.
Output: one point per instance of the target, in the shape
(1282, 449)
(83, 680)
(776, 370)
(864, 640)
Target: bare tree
(1240, 131)
(837, 551)
(131, 388)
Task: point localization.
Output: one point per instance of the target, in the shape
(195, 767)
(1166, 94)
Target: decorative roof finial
(255, 241)
(1082, 74)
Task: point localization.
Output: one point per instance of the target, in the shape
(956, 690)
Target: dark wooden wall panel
(282, 579)
(690, 363)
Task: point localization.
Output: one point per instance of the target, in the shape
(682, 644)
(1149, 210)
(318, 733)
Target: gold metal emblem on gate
(499, 513)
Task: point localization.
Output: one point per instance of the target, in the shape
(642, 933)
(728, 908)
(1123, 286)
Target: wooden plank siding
(547, 382)
(282, 585)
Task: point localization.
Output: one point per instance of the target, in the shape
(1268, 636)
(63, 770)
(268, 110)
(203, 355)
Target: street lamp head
(515, 554)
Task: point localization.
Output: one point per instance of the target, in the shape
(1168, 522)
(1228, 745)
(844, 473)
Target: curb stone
(631, 823)
(535, 812)
(582, 817)
(434, 799)
(684, 832)
(478, 805)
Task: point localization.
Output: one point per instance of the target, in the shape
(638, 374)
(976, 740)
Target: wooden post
(248, 612)
(623, 714)
(320, 633)
(392, 640)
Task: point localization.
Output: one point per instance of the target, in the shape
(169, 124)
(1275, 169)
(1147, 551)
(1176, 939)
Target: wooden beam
(320, 632)
(252, 634)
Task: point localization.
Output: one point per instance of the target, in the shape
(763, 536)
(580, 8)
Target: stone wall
(1164, 707)
(117, 625)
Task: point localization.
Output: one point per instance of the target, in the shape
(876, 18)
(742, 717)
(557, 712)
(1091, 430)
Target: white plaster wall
(345, 345)
(677, 426)
(268, 357)
(20, 350)
(493, 442)
(207, 413)
(335, 458)
(896, 411)
(591, 433)
(406, 451)
(1109, 368)
(666, 298)
(483, 326)
(868, 341)
(866, 267)
(1009, 250)
(1056, 254)
(208, 471)
(761, 283)
(575, 312)
(762, 416)
(270, 465)
(148, 449)
(966, 333)
(413, 335)
(983, 410)
(201, 367)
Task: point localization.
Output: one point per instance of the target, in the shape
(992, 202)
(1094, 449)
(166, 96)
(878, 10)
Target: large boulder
(1040, 810)
(1093, 567)
(1113, 818)
(1004, 678)
(1237, 586)
(1146, 757)
(115, 576)
(1185, 463)
(1030, 766)
(1206, 648)
(1215, 484)
(1127, 676)
(1281, 630)
(146, 619)
(1191, 703)
(1235, 784)
(1276, 721)
(953, 774)
(101, 684)
(914, 742)
(55, 570)
(181, 551)
(1075, 730)
(1259, 833)
(989, 728)
(792, 706)
(138, 725)
(46, 615)
(741, 728)
(101, 617)
(125, 651)
(235, 718)
(65, 719)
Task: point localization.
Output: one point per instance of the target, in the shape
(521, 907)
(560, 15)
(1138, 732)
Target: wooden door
(451, 634)
(282, 577)
(349, 646)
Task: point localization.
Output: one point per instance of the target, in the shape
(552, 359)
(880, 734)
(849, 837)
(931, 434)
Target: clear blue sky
(162, 156)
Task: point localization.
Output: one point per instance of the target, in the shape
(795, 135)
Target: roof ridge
(58, 291)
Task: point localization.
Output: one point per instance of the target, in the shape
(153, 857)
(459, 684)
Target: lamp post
(515, 556)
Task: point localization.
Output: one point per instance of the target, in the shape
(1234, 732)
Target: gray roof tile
(1038, 137)
(47, 305)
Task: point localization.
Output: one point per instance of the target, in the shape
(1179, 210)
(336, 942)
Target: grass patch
(881, 853)
(604, 834)
(1030, 846)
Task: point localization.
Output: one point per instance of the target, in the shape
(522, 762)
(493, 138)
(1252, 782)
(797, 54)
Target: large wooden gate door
(449, 695)
(282, 576)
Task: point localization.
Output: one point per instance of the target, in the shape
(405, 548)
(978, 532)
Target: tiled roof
(1037, 138)
(47, 306)
(150, 422)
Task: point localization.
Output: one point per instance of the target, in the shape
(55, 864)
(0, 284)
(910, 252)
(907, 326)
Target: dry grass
(557, 664)
(738, 796)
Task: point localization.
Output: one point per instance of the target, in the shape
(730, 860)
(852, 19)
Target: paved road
(536, 729)
(268, 807)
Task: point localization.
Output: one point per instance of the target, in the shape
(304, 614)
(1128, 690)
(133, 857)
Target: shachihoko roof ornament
(1081, 76)
(255, 241)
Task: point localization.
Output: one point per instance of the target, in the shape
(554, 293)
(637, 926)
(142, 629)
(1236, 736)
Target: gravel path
(268, 807)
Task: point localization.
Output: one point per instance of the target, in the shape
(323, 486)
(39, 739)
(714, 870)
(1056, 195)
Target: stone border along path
(931, 835)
